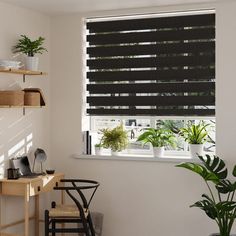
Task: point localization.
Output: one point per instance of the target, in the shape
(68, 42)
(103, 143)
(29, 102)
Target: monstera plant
(219, 205)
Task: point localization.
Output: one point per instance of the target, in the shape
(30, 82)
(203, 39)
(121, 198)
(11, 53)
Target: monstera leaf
(207, 205)
(215, 165)
(225, 207)
(201, 170)
(225, 186)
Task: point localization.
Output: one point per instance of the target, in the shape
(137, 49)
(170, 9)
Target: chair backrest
(80, 186)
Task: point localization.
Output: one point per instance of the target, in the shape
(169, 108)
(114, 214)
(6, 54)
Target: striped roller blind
(160, 66)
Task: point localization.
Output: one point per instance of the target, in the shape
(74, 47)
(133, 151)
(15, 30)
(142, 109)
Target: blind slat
(166, 75)
(148, 62)
(158, 36)
(151, 101)
(153, 49)
(151, 88)
(152, 23)
(153, 112)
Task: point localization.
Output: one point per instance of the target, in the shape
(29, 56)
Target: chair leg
(46, 225)
(90, 222)
(85, 226)
(53, 228)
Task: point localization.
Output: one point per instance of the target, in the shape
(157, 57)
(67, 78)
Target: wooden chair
(77, 214)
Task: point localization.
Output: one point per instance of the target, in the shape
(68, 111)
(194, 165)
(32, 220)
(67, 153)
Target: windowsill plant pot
(195, 150)
(195, 135)
(115, 139)
(115, 153)
(158, 151)
(98, 151)
(158, 138)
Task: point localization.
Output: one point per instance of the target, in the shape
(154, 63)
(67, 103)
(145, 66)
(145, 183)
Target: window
(153, 70)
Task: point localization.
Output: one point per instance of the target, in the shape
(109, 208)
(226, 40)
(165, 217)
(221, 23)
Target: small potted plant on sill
(220, 205)
(28, 47)
(98, 149)
(116, 139)
(159, 138)
(196, 135)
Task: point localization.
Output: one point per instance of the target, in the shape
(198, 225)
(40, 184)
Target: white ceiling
(55, 7)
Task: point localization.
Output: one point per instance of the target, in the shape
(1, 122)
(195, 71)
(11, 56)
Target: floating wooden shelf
(22, 72)
(7, 106)
(6, 234)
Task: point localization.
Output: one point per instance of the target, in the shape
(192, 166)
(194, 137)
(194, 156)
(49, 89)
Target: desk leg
(36, 214)
(27, 198)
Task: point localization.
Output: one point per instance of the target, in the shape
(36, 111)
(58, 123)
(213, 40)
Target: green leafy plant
(27, 46)
(220, 205)
(99, 145)
(116, 139)
(195, 133)
(158, 137)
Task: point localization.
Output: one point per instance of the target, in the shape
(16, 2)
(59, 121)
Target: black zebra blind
(162, 66)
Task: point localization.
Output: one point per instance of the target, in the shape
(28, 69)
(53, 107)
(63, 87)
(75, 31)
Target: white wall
(19, 133)
(138, 198)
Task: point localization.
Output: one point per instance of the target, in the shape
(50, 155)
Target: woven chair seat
(68, 211)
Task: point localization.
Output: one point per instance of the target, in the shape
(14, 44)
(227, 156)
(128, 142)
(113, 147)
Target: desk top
(30, 180)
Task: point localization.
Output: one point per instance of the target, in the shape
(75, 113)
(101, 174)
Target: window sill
(133, 157)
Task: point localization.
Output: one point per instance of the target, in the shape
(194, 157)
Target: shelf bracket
(23, 78)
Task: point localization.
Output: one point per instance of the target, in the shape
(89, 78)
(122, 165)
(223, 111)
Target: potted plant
(98, 148)
(116, 139)
(159, 138)
(196, 135)
(220, 205)
(28, 47)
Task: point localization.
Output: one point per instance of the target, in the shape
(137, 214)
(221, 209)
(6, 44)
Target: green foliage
(220, 205)
(29, 47)
(98, 145)
(116, 139)
(195, 134)
(158, 137)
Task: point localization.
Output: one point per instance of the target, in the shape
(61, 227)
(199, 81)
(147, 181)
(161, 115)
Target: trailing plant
(116, 139)
(158, 137)
(220, 205)
(27, 46)
(195, 133)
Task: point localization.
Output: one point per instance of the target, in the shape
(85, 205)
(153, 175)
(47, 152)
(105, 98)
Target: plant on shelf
(30, 47)
(116, 139)
(159, 138)
(196, 135)
(220, 205)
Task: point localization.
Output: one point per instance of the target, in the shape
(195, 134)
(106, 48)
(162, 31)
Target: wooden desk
(28, 187)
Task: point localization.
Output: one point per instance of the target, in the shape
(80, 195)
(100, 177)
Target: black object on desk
(13, 173)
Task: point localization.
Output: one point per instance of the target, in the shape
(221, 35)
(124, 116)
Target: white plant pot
(98, 151)
(195, 150)
(158, 151)
(31, 63)
(114, 153)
